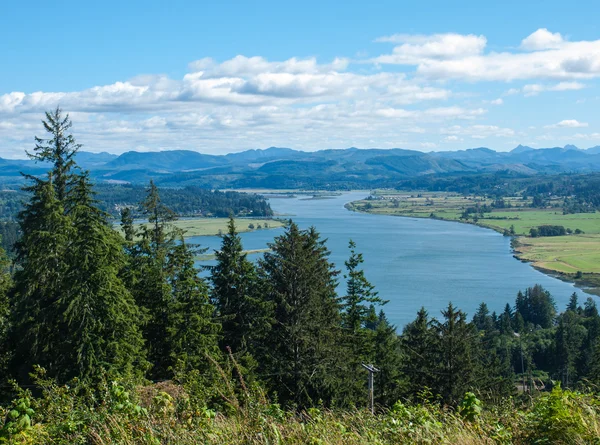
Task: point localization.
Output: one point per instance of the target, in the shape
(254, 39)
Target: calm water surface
(414, 262)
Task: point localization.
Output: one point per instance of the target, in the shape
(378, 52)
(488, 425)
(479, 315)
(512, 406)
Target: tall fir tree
(59, 149)
(302, 365)
(245, 314)
(455, 344)
(71, 312)
(388, 359)
(178, 317)
(192, 332)
(358, 340)
(149, 272)
(100, 312)
(418, 354)
(38, 327)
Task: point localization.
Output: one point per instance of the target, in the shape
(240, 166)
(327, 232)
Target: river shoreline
(588, 282)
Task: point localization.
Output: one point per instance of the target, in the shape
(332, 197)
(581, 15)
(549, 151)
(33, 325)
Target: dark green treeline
(90, 304)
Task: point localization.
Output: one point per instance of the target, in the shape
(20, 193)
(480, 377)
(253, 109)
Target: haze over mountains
(285, 168)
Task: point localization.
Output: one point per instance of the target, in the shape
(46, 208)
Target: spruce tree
(303, 360)
(100, 313)
(237, 295)
(192, 333)
(38, 326)
(386, 353)
(358, 340)
(59, 149)
(455, 344)
(418, 354)
(71, 312)
(150, 271)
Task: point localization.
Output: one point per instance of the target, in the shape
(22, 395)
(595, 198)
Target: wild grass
(170, 413)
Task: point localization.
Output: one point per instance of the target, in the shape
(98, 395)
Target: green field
(567, 254)
(214, 226)
(525, 219)
(563, 254)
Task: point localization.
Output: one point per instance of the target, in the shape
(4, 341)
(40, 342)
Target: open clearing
(214, 226)
(567, 254)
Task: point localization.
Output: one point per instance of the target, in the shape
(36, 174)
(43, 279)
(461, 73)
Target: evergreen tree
(358, 311)
(303, 342)
(59, 150)
(569, 338)
(572, 306)
(236, 293)
(192, 333)
(100, 313)
(505, 321)
(388, 359)
(71, 312)
(38, 327)
(482, 319)
(359, 291)
(455, 344)
(418, 354)
(151, 270)
(127, 224)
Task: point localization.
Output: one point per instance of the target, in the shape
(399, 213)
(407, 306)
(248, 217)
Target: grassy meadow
(566, 255)
(214, 226)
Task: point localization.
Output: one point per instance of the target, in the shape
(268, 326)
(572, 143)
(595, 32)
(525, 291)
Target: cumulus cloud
(535, 89)
(414, 48)
(568, 123)
(457, 56)
(542, 39)
(249, 102)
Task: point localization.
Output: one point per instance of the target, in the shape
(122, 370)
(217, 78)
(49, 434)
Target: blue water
(414, 262)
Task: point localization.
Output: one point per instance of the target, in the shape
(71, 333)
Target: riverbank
(216, 226)
(213, 256)
(573, 258)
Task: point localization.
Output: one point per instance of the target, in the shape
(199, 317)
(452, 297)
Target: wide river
(414, 262)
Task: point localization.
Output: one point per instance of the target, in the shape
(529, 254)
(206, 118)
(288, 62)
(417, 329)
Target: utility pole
(372, 370)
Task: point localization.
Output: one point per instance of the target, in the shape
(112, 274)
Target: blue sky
(226, 76)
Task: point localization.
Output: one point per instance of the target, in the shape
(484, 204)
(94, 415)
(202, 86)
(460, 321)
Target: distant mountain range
(287, 168)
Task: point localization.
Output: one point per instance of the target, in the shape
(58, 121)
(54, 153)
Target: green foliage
(238, 297)
(303, 343)
(470, 407)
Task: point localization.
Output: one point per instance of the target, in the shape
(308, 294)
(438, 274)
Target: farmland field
(213, 226)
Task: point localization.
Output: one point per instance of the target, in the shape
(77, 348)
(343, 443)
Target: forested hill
(286, 168)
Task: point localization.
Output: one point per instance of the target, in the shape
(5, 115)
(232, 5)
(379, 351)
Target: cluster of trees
(186, 201)
(88, 303)
(552, 230)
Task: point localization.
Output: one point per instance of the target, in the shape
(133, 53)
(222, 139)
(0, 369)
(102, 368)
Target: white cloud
(455, 56)
(535, 89)
(498, 101)
(414, 48)
(541, 39)
(430, 145)
(452, 139)
(568, 123)
(479, 131)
